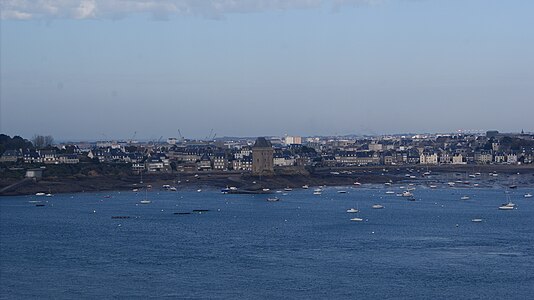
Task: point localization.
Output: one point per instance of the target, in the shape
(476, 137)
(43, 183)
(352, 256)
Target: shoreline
(507, 175)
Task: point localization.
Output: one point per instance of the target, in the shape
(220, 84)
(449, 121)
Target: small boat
(48, 195)
(528, 195)
(476, 185)
(411, 198)
(513, 186)
(135, 190)
(305, 186)
(199, 190)
(476, 220)
(40, 194)
(357, 183)
(172, 189)
(317, 193)
(273, 199)
(377, 206)
(352, 210)
(39, 205)
(451, 184)
(288, 189)
(387, 183)
(356, 219)
(433, 186)
(107, 196)
(145, 201)
(465, 198)
(342, 192)
(266, 190)
(506, 207)
(390, 192)
(407, 194)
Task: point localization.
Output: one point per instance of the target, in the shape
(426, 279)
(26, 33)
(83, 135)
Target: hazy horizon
(91, 69)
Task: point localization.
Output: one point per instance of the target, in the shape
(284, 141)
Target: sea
(208, 245)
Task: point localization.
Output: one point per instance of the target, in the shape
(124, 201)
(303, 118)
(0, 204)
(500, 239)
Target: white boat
(410, 189)
(465, 198)
(528, 195)
(305, 186)
(199, 190)
(48, 195)
(342, 192)
(377, 206)
(506, 207)
(433, 186)
(317, 193)
(288, 189)
(40, 194)
(266, 190)
(352, 210)
(273, 199)
(476, 220)
(357, 183)
(145, 201)
(390, 192)
(135, 190)
(356, 219)
(407, 194)
(451, 183)
(172, 189)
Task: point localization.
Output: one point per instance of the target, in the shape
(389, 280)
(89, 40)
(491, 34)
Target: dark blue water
(304, 246)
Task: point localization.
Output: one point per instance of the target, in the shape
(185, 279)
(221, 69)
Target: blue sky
(92, 69)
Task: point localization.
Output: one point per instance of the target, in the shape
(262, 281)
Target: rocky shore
(506, 175)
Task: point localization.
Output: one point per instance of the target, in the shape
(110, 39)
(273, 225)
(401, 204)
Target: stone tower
(262, 157)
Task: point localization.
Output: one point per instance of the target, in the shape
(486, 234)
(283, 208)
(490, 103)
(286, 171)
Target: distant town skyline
(91, 69)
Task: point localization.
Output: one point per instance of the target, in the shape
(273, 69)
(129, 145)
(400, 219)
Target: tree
(41, 141)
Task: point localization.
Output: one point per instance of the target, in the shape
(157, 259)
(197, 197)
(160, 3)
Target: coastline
(520, 175)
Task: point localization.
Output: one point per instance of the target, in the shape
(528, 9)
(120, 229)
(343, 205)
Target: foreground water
(303, 246)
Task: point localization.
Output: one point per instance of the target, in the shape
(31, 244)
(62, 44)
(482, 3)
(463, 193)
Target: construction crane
(133, 137)
(180, 134)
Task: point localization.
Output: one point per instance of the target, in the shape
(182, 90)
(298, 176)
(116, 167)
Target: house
(483, 157)
(155, 164)
(511, 158)
(458, 159)
(49, 156)
(499, 158)
(11, 156)
(220, 161)
(204, 164)
(428, 158)
(243, 164)
(69, 159)
(31, 157)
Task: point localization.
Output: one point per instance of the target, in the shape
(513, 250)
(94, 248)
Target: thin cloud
(89, 9)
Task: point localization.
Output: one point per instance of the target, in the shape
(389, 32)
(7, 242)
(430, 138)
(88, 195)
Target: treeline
(16, 142)
(13, 143)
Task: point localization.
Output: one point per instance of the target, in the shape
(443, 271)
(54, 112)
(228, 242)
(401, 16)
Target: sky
(106, 69)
